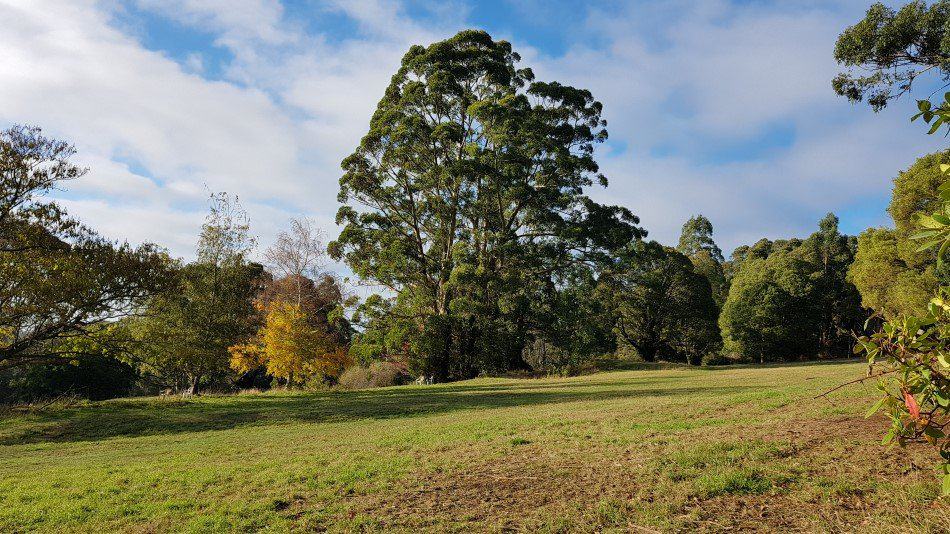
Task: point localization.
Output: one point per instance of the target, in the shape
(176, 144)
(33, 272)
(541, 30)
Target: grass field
(647, 450)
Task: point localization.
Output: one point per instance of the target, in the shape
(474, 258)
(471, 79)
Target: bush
(355, 377)
(92, 377)
(384, 374)
(719, 358)
(379, 374)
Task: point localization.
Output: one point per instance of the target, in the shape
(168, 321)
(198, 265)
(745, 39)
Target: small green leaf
(925, 234)
(929, 245)
(876, 407)
(927, 221)
(941, 253)
(888, 437)
(935, 126)
(934, 432)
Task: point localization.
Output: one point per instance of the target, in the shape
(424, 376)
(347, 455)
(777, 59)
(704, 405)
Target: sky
(718, 107)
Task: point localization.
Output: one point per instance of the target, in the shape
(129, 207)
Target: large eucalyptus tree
(466, 200)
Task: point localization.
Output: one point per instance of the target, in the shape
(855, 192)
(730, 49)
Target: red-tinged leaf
(912, 405)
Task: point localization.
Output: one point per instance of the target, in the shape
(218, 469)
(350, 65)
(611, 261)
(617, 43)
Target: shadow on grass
(141, 417)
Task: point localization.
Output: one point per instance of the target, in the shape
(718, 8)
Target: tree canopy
(894, 47)
(59, 280)
(210, 307)
(891, 274)
(791, 299)
(664, 308)
(697, 243)
(466, 200)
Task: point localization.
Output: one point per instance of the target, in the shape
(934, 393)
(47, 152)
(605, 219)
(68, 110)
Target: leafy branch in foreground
(914, 352)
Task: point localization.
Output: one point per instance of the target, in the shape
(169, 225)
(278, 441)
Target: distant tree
(715, 273)
(296, 256)
(696, 237)
(466, 201)
(303, 335)
(885, 281)
(697, 243)
(190, 327)
(894, 48)
(664, 309)
(836, 302)
(790, 299)
(766, 316)
(59, 280)
(890, 273)
(575, 323)
(322, 301)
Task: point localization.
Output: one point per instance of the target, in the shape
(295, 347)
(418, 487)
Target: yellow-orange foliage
(289, 347)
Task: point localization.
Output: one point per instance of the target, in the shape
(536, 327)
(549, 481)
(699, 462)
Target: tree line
(467, 205)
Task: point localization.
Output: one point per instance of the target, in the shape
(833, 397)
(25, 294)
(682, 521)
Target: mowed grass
(648, 450)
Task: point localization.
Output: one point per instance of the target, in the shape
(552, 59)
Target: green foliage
(189, 328)
(894, 47)
(912, 353)
(101, 369)
(791, 299)
(58, 280)
(766, 315)
(885, 281)
(466, 200)
(696, 237)
(663, 307)
(892, 275)
(697, 243)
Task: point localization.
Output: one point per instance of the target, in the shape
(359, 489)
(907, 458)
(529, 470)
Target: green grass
(658, 449)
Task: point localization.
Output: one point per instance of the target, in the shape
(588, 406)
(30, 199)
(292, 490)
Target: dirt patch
(500, 494)
(838, 462)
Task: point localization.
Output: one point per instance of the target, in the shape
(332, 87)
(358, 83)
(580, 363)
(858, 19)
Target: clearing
(646, 450)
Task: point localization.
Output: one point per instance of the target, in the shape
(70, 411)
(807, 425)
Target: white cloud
(679, 80)
(717, 75)
(63, 67)
(236, 21)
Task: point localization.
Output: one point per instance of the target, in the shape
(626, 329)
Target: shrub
(383, 374)
(379, 374)
(719, 358)
(355, 377)
(92, 377)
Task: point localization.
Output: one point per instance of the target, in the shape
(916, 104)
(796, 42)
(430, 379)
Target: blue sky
(714, 107)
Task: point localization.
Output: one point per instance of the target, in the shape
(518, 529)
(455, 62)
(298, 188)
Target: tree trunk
(194, 384)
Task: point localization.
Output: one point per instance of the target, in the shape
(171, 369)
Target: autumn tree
(465, 199)
(303, 335)
(59, 280)
(290, 347)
